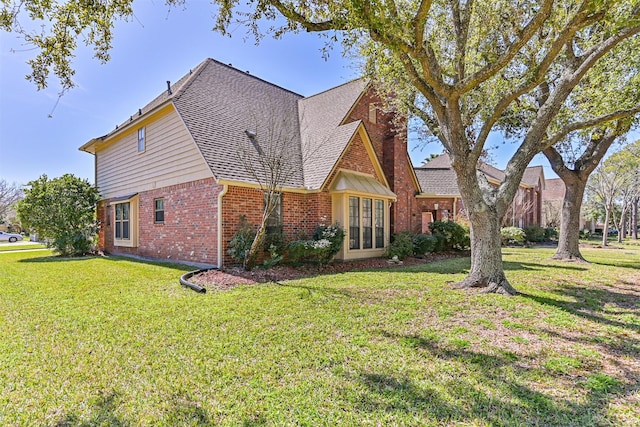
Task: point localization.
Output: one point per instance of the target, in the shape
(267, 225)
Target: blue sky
(160, 44)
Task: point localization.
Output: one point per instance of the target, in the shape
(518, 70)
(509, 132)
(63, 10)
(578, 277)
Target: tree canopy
(61, 211)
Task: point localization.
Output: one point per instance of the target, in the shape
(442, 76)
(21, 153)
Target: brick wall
(301, 213)
(189, 231)
(390, 144)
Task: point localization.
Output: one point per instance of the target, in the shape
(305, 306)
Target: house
(552, 200)
(440, 198)
(176, 176)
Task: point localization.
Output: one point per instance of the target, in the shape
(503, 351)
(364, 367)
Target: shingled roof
(437, 177)
(234, 117)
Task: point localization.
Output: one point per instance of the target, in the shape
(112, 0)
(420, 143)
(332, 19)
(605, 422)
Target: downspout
(455, 209)
(225, 187)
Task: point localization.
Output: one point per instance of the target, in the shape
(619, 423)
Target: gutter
(225, 188)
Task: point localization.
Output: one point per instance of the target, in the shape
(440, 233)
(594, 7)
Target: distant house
(552, 199)
(173, 185)
(440, 198)
(178, 174)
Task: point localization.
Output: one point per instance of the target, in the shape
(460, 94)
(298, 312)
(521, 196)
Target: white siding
(171, 157)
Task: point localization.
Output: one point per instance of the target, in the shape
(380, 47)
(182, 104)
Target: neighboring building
(176, 177)
(173, 185)
(440, 197)
(552, 199)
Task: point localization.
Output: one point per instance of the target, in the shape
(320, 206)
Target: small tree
(61, 210)
(9, 195)
(271, 159)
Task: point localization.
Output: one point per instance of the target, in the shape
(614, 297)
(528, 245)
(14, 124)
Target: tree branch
(525, 35)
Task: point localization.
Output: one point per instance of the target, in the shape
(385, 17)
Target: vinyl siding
(170, 157)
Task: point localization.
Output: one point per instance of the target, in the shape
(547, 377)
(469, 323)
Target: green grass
(100, 341)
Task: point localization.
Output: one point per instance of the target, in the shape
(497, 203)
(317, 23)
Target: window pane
(125, 211)
(141, 139)
(354, 223)
(379, 223)
(159, 210)
(118, 212)
(118, 227)
(367, 224)
(125, 229)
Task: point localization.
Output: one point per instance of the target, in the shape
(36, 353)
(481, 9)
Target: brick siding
(189, 231)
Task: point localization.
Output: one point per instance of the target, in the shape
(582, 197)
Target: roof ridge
(247, 73)
(193, 76)
(332, 88)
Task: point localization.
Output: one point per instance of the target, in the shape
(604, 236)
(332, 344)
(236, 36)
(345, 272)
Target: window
(158, 211)
(372, 113)
(125, 221)
(122, 222)
(367, 224)
(275, 217)
(354, 223)
(379, 223)
(141, 140)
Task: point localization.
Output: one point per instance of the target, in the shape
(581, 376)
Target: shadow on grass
(531, 266)
(590, 304)
(181, 411)
(494, 392)
(103, 413)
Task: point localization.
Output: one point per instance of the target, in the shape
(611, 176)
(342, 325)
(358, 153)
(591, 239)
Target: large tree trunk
(486, 255)
(569, 237)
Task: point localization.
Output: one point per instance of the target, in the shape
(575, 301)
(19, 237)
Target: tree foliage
(614, 186)
(9, 195)
(62, 211)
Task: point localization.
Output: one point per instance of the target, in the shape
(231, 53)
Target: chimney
(168, 87)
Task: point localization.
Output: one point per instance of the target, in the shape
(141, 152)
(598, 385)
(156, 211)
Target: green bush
(401, 245)
(534, 233)
(453, 235)
(424, 243)
(551, 233)
(326, 243)
(512, 235)
(241, 242)
(275, 237)
(62, 212)
(585, 234)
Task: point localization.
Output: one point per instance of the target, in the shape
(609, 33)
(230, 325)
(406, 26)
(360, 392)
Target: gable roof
(323, 135)
(437, 177)
(234, 117)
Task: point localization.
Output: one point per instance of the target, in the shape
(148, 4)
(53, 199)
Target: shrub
(241, 242)
(326, 243)
(585, 234)
(551, 233)
(62, 212)
(401, 245)
(453, 235)
(274, 236)
(534, 233)
(512, 235)
(424, 243)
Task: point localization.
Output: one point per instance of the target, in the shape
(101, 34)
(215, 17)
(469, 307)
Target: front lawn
(114, 341)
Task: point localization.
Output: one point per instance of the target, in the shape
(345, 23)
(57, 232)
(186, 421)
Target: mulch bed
(230, 277)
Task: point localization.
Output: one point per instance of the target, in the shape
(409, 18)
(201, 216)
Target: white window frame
(142, 139)
(132, 240)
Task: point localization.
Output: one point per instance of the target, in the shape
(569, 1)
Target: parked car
(9, 237)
